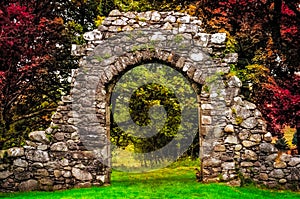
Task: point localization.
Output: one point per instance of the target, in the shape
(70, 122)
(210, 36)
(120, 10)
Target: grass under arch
(176, 181)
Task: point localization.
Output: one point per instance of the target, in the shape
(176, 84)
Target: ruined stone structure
(75, 150)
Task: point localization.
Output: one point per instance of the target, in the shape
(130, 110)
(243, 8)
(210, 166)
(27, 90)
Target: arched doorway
(117, 55)
(153, 117)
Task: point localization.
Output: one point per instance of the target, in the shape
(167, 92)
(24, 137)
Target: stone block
(15, 152)
(294, 161)
(249, 123)
(81, 175)
(267, 148)
(268, 137)
(39, 136)
(42, 172)
(218, 38)
(246, 164)
(57, 173)
(46, 181)
(29, 185)
(229, 128)
(279, 165)
(5, 174)
(59, 146)
(248, 144)
(235, 183)
(234, 82)
(83, 185)
(263, 176)
(231, 139)
(282, 181)
(228, 165)
(249, 155)
(220, 148)
(211, 162)
(238, 147)
(255, 138)
(206, 120)
(277, 173)
(20, 163)
(244, 134)
(37, 155)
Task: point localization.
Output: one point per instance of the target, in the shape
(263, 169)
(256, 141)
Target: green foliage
(239, 120)
(178, 38)
(282, 144)
(206, 88)
(150, 47)
(76, 30)
(105, 6)
(146, 5)
(257, 74)
(231, 43)
(149, 96)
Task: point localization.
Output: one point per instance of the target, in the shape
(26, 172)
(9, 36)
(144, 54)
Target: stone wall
(75, 150)
(53, 159)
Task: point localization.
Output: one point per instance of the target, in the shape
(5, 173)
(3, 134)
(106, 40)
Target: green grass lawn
(176, 181)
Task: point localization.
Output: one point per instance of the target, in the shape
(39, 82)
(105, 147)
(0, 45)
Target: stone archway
(109, 61)
(74, 150)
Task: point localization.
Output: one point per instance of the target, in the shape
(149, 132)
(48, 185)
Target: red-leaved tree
(29, 85)
(266, 33)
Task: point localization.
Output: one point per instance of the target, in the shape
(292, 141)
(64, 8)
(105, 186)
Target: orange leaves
(58, 20)
(192, 10)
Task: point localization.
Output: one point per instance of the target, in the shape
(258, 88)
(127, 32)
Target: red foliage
(27, 44)
(282, 105)
(264, 29)
(19, 48)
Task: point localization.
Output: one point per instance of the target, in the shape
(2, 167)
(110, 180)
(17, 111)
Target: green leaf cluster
(157, 91)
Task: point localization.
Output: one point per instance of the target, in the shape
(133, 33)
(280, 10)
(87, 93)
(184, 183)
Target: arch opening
(151, 141)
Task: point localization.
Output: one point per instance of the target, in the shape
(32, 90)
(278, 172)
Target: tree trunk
(276, 23)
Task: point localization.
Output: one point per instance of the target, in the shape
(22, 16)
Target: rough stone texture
(59, 146)
(5, 174)
(15, 152)
(231, 139)
(81, 175)
(229, 128)
(249, 123)
(38, 136)
(37, 155)
(29, 185)
(235, 141)
(294, 161)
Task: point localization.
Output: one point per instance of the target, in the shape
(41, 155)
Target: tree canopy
(36, 38)
(34, 65)
(265, 34)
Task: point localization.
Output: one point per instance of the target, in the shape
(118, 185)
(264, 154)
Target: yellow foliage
(289, 134)
(192, 10)
(99, 20)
